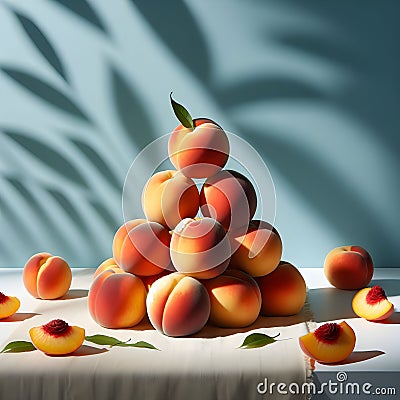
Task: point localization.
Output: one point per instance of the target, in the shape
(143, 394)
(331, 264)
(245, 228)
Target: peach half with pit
(57, 337)
(200, 248)
(372, 304)
(117, 300)
(141, 247)
(330, 343)
(235, 299)
(283, 291)
(46, 276)
(178, 305)
(168, 197)
(9, 305)
(349, 267)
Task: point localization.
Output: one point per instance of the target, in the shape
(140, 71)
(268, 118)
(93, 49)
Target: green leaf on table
(19, 346)
(103, 340)
(181, 113)
(256, 340)
(141, 344)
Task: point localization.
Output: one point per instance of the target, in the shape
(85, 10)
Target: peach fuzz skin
(9, 305)
(235, 299)
(46, 276)
(200, 152)
(178, 305)
(142, 247)
(230, 198)
(106, 265)
(348, 267)
(200, 248)
(117, 300)
(256, 250)
(329, 351)
(283, 291)
(168, 197)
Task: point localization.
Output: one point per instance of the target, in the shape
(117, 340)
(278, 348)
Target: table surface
(376, 348)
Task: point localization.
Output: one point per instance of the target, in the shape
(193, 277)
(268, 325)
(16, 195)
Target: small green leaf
(19, 346)
(181, 113)
(141, 344)
(103, 340)
(257, 340)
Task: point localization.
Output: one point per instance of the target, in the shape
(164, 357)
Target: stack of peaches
(184, 270)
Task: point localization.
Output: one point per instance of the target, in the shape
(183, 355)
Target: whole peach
(46, 276)
(235, 299)
(283, 291)
(200, 152)
(230, 198)
(256, 251)
(200, 248)
(168, 197)
(178, 305)
(142, 247)
(105, 265)
(117, 300)
(348, 267)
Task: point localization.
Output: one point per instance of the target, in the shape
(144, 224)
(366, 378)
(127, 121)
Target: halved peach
(372, 304)
(8, 305)
(57, 337)
(329, 343)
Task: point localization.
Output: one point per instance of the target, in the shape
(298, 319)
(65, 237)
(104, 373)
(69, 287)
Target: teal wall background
(313, 86)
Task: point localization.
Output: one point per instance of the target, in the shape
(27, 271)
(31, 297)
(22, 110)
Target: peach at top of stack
(193, 269)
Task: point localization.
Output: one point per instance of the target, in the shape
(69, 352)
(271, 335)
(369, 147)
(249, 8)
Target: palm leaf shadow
(97, 161)
(132, 114)
(45, 92)
(84, 10)
(47, 155)
(105, 215)
(172, 22)
(264, 89)
(319, 186)
(42, 44)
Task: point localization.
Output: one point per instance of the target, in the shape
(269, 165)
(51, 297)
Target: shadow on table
(83, 351)
(358, 356)
(393, 319)
(330, 304)
(75, 294)
(19, 317)
(390, 286)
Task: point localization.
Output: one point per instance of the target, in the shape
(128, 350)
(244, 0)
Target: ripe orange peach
(283, 291)
(256, 250)
(348, 267)
(200, 248)
(168, 197)
(105, 265)
(117, 300)
(46, 276)
(230, 198)
(200, 152)
(178, 305)
(57, 337)
(142, 247)
(372, 304)
(329, 343)
(235, 299)
(9, 305)
(148, 281)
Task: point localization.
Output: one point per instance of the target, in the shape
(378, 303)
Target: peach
(348, 267)
(142, 247)
(235, 299)
(106, 265)
(9, 305)
(230, 198)
(57, 337)
(168, 197)
(257, 250)
(283, 291)
(200, 248)
(372, 304)
(330, 343)
(117, 300)
(178, 305)
(148, 281)
(199, 151)
(46, 276)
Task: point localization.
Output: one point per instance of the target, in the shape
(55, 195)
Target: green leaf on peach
(181, 113)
